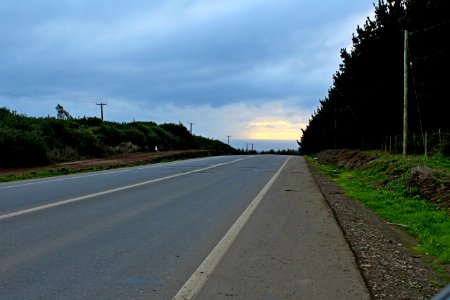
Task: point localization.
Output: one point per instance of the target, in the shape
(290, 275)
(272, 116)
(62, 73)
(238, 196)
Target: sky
(249, 69)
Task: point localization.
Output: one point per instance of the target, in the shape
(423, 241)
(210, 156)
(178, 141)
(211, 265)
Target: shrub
(22, 148)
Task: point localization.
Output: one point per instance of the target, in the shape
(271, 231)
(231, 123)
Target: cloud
(278, 119)
(216, 56)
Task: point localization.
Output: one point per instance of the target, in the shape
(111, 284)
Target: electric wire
(430, 28)
(415, 93)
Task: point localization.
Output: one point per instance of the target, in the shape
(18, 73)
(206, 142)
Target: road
(141, 233)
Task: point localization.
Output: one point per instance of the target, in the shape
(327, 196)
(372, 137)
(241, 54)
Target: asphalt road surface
(248, 227)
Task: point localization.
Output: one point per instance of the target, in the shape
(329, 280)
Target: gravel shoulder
(290, 248)
(382, 250)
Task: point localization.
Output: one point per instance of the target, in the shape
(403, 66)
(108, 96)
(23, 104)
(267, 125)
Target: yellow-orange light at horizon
(274, 130)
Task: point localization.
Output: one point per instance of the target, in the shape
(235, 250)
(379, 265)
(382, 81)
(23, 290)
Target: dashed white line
(64, 202)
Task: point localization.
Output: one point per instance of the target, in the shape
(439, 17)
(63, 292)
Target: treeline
(364, 106)
(281, 152)
(29, 141)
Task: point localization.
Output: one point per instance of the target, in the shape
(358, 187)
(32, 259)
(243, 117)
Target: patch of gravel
(390, 269)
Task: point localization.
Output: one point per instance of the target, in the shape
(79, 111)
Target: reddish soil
(345, 158)
(112, 161)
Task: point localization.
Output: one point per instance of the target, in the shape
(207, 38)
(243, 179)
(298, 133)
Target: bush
(109, 134)
(22, 148)
(27, 141)
(446, 149)
(87, 143)
(135, 136)
(183, 138)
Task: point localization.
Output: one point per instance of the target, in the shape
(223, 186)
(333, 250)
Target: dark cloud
(181, 52)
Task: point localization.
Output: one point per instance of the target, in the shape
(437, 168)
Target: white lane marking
(62, 179)
(34, 209)
(92, 175)
(198, 279)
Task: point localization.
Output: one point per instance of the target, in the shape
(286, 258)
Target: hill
(29, 141)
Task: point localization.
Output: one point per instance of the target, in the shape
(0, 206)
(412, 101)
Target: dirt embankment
(113, 161)
(346, 158)
(382, 250)
(427, 183)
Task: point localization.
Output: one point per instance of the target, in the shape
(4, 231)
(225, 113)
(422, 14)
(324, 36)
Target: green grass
(381, 187)
(47, 173)
(423, 220)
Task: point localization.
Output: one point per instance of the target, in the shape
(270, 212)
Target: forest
(364, 106)
(29, 141)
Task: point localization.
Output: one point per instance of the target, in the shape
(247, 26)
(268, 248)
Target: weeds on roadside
(382, 187)
(34, 174)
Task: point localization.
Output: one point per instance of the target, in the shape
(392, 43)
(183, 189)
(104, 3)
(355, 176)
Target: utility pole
(405, 94)
(228, 136)
(101, 108)
(190, 126)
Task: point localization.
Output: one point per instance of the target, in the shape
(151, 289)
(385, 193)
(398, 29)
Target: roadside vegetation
(281, 152)
(364, 106)
(94, 165)
(28, 141)
(364, 110)
(412, 193)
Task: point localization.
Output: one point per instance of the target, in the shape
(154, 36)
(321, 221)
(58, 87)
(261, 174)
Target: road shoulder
(291, 248)
(383, 251)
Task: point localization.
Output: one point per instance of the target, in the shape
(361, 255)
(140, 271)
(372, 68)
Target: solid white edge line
(198, 279)
(34, 209)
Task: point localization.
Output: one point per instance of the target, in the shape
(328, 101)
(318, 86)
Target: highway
(143, 232)
(138, 241)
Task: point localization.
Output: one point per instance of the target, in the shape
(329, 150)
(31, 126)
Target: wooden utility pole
(405, 94)
(101, 109)
(228, 136)
(190, 127)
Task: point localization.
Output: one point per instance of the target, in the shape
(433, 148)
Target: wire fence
(426, 143)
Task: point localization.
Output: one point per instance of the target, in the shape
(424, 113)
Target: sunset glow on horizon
(274, 130)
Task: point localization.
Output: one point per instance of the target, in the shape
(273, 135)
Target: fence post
(395, 143)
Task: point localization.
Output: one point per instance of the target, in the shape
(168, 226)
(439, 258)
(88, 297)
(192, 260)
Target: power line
(405, 92)
(14, 94)
(26, 97)
(430, 28)
(415, 92)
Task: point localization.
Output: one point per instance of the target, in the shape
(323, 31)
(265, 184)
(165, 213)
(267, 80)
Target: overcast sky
(246, 68)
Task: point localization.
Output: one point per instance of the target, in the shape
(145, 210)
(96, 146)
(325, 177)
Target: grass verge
(389, 196)
(58, 171)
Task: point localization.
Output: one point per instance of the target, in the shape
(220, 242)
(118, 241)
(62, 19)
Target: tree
(365, 103)
(61, 113)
